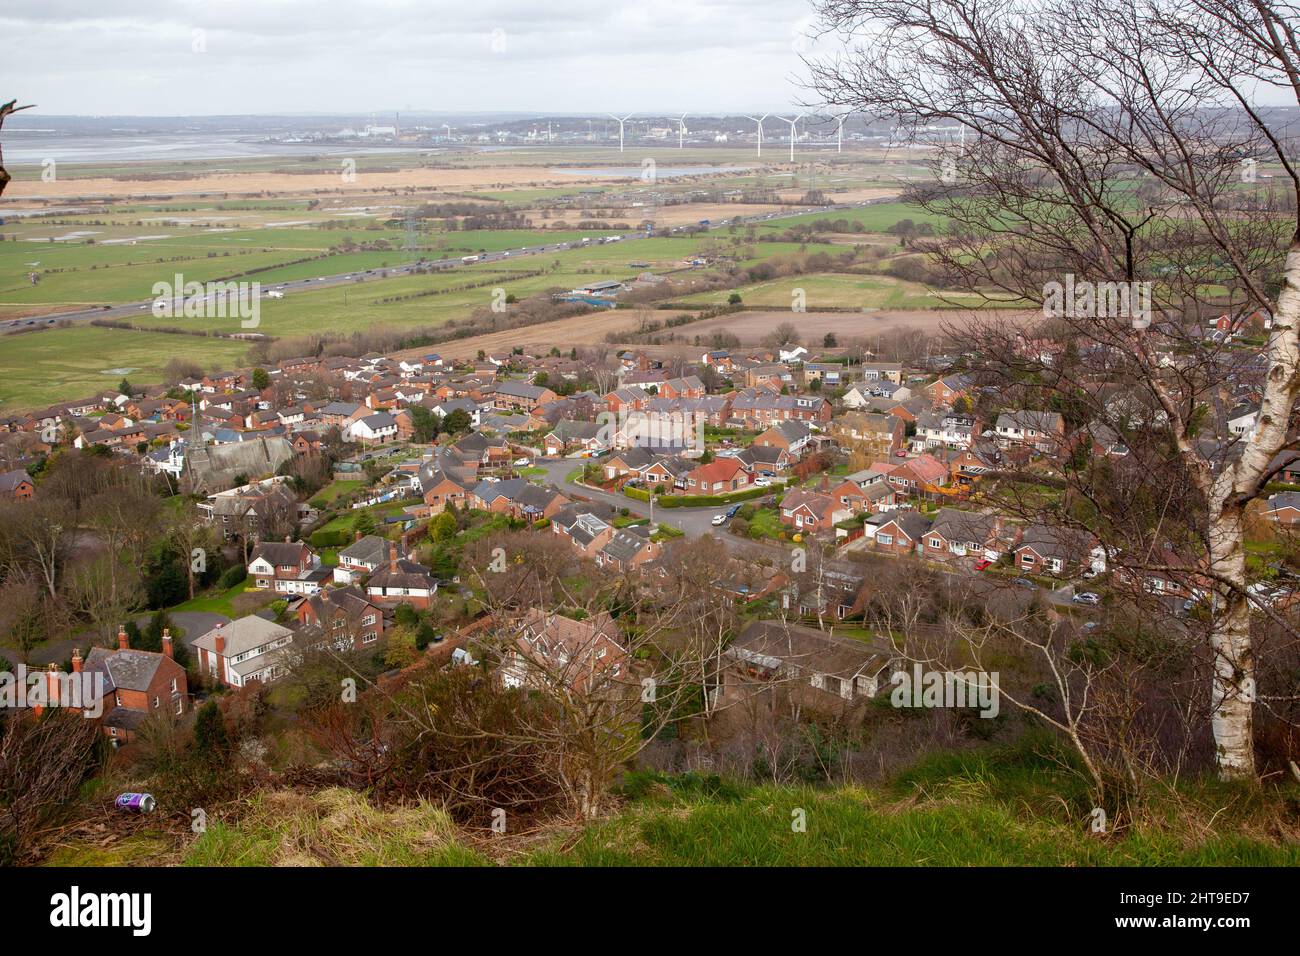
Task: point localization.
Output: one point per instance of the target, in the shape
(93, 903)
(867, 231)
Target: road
(277, 290)
(697, 522)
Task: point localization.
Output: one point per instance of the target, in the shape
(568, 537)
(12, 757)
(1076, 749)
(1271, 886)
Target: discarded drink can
(136, 802)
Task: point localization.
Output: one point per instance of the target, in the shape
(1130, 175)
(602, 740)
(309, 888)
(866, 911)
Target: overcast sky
(193, 57)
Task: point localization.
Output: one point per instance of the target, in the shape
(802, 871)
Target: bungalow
(811, 511)
(628, 462)
(773, 665)
(720, 476)
(957, 534)
(902, 533)
(1044, 549)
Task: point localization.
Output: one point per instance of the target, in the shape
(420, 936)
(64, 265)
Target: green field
(40, 368)
(836, 291)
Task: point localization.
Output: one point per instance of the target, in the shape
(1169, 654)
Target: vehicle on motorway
(983, 563)
(273, 294)
(1089, 598)
(469, 258)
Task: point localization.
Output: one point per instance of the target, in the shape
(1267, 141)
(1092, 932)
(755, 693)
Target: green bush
(330, 539)
(235, 574)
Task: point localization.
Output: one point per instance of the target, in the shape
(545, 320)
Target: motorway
(133, 309)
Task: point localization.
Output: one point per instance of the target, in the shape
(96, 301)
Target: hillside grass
(998, 805)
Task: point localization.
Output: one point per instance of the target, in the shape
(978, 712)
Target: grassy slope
(997, 806)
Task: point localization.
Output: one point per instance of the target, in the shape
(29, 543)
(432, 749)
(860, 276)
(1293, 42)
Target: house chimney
(392, 558)
(76, 660)
(122, 643)
(356, 536)
(288, 539)
(167, 641)
(53, 677)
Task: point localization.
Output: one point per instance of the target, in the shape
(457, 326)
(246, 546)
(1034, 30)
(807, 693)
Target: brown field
(749, 327)
(752, 327)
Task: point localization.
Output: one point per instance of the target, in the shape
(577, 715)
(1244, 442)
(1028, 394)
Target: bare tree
(6, 110)
(1103, 144)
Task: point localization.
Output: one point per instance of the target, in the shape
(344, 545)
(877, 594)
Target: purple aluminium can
(137, 802)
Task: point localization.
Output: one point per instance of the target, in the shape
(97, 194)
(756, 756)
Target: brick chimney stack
(221, 651)
(76, 660)
(392, 558)
(167, 641)
(122, 643)
(356, 536)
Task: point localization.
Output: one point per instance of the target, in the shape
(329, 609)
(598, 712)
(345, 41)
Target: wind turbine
(759, 121)
(620, 128)
(681, 129)
(839, 134)
(792, 123)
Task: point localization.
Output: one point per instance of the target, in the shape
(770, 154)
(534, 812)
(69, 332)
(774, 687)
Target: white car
(521, 462)
(720, 518)
(762, 481)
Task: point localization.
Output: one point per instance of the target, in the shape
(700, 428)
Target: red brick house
(720, 476)
(137, 685)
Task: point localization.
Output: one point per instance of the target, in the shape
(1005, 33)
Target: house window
(180, 706)
(156, 703)
(831, 685)
(885, 538)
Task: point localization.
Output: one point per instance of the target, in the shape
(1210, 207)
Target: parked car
(733, 511)
(1087, 597)
(521, 462)
(720, 518)
(1025, 583)
(762, 481)
(983, 563)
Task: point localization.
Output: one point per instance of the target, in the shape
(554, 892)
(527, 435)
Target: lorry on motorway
(469, 258)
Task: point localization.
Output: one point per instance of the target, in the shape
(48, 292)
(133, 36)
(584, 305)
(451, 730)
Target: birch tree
(1117, 141)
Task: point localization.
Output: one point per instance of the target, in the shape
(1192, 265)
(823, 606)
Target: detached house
(402, 581)
(137, 685)
(243, 651)
(345, 616)
(287, 567)
(1042, 431)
